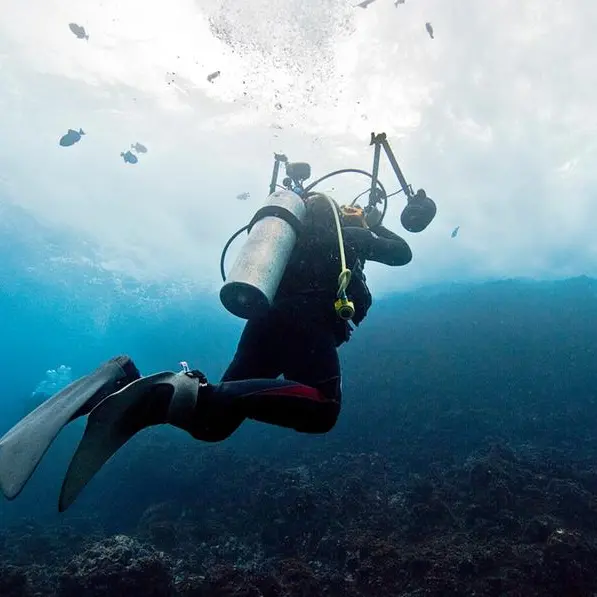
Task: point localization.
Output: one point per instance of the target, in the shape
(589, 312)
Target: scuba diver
(298, 311)
(299, 335)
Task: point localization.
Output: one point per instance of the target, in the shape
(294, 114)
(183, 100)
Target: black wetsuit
(298, 339)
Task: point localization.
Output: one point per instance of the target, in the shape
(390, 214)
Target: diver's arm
(391, 250)
(385, 233)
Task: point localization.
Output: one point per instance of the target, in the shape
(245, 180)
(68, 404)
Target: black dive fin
(23, 446)
(117, 419)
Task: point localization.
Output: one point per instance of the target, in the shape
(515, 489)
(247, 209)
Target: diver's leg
(179, 399)
(211, 412)
(278, 402)
(256, 357)
(309, 401)
(312, 359)
(184, 400)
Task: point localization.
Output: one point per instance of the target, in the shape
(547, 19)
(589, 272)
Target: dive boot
(161, 398)
(23, 446)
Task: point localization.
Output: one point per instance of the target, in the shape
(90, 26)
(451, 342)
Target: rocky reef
(505, 521)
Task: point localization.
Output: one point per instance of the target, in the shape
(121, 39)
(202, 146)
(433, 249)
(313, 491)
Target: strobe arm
(279, 158)
(380, 141)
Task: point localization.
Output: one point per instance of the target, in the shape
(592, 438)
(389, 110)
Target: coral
(118, 565)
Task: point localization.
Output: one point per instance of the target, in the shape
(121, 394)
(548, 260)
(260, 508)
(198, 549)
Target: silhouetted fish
(364, 3)
(78, 31)
(429, 30)
(139, 148)
(71, 137)
(213, 76)
(129, 157)
(397, 2)
(455, 231)
(243, 196)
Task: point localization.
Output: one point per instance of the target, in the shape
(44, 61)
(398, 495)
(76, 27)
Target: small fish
(78, 31)
(129, 157)
(243, 196)
(364, 3)
(429, 28)
(213, 76)
(71, 137)
(139, 148)
(455, 231)
(397, 2)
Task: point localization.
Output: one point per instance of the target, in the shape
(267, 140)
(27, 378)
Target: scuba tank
(254, 278)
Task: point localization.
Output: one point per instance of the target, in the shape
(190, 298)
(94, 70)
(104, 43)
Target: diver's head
(355, 215)
(320, 217)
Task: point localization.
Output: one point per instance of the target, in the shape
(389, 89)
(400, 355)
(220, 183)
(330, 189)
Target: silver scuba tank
(254, 278)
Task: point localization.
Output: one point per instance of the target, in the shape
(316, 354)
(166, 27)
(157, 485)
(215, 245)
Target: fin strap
(184, 400)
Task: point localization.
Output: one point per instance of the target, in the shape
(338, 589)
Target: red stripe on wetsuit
(299, 390)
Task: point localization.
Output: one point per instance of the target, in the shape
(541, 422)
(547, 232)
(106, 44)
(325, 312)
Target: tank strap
(278, 212)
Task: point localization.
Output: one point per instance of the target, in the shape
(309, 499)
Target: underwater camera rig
(418, 212)
(254, 278)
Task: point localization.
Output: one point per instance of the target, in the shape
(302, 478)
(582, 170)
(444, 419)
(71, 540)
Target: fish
(455, 231)
(243, 196)
(429, 28)
(78, 30)
(139, 148)
(129, 157)
(71, 137)
(397, 2)
(364, 3)
(213, 76)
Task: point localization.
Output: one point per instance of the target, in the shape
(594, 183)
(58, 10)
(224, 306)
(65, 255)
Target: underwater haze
(138, 137)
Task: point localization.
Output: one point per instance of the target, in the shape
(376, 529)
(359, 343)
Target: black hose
(343, 171)
(385, 205)
(227, 246)
(356, 171)
(359, 196)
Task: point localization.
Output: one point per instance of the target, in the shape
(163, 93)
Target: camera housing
(298, 171)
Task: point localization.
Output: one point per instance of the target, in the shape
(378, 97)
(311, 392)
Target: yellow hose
(345, 273)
